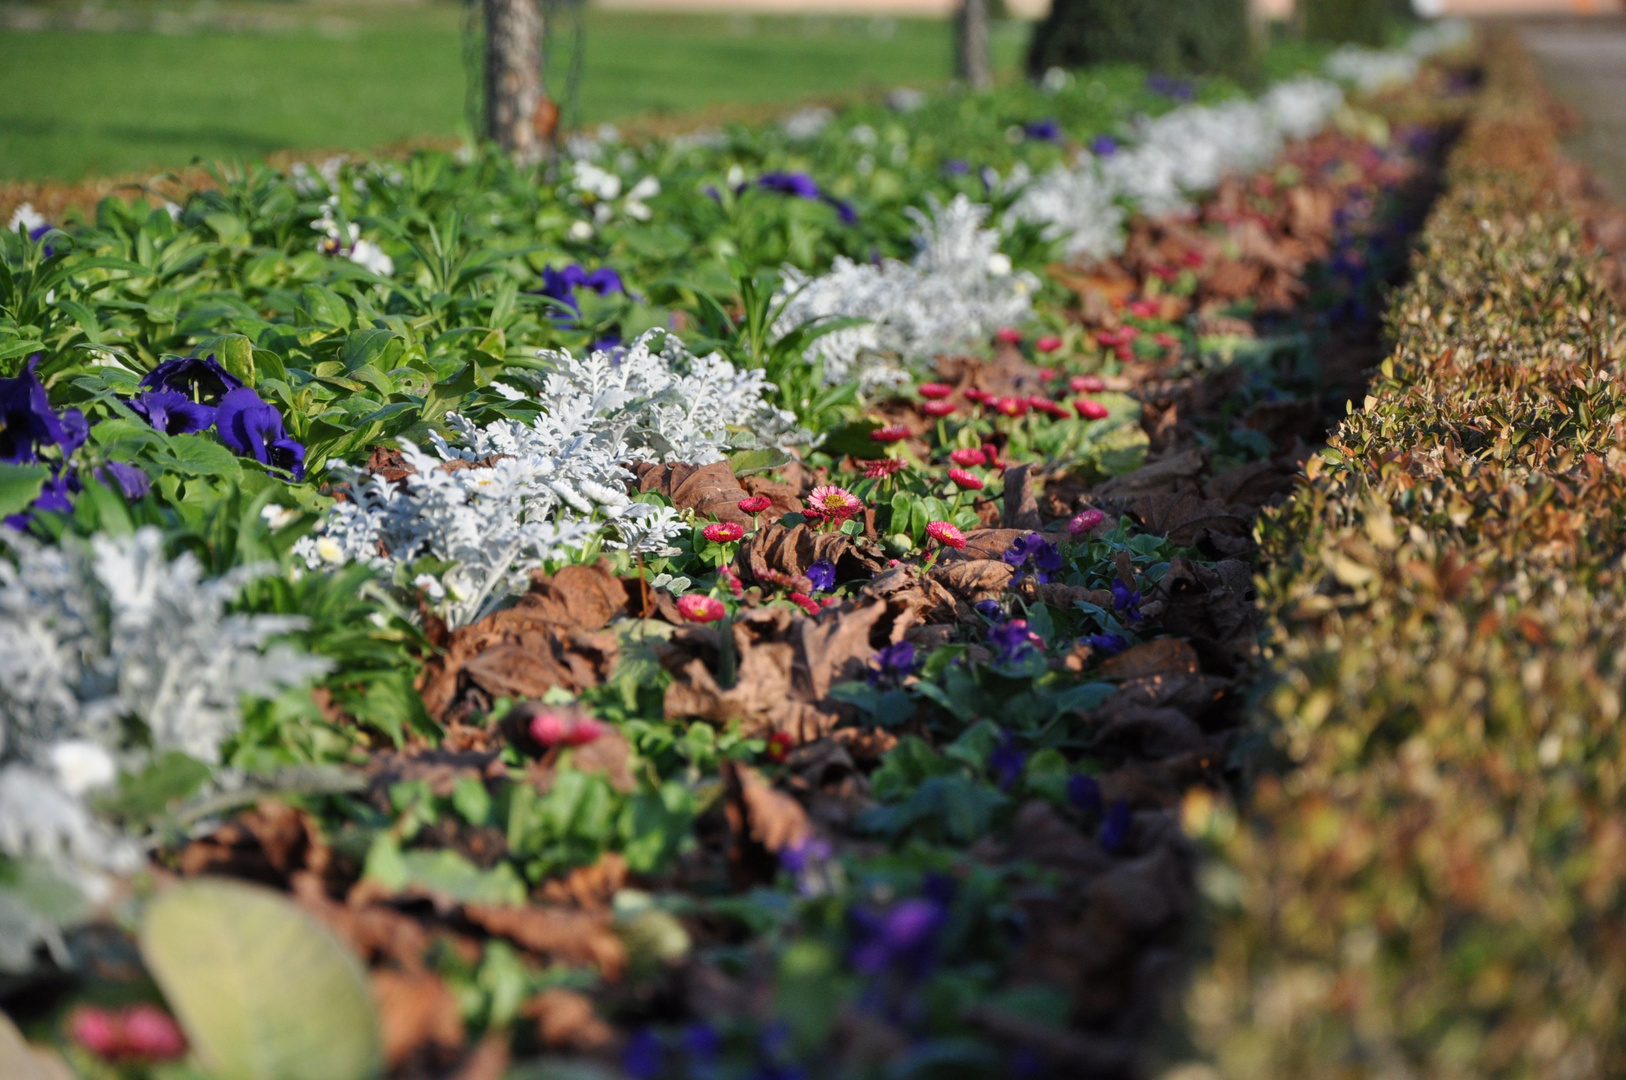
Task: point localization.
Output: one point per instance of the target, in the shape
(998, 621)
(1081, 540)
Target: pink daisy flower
(946, 534)
(964, 479)
(881, 468)
(700, 609)
(936, 391)
(559, 728)
(1009, 336)
(938, 408)
(1091, 410)
(1048, 344)
(834, 502)
(968, 458)
(1087, 384)
(756, 504)
(1084, 521)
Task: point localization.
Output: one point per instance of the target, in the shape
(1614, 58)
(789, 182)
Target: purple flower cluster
(1033, 554)
(892, 665)
(30, 428)
(822, 576)
(1177, 89)
(1007, 760)
(1046, 130)
(561, 285)
(902, 938)
(189, 394)
(1126, 600)
(803, 186)
(1103, 146)
(1013, 642)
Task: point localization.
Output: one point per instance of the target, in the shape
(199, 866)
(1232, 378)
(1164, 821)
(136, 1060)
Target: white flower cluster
(1372, 71)
(511, 497)
(1182, 153)
(110, 653)
(808, 123)
(347, 241)
(599, 191)
(957, 291)
(26, 218)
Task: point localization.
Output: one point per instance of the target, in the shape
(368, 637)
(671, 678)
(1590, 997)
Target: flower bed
(744, 605)
(1433, 886)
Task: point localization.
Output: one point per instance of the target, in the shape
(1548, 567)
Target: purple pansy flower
(1084, 792)
(822, 576)
(1007, 760)
(893, 664)
(1126, 600)
(1013, 642)
(172, 412)
(131, 482)
(1115, 827)
(252, 428)
(1103, 146)
(643, 1055)
(1178, 89)
(28, 423)
(1046, 130)
(200, 379)
(53, 498)
(1107, 644)
(803, 186)
(901, 938)
(1033, 554)
(800, 185)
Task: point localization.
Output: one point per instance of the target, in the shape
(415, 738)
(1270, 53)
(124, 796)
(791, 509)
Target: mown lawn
(197, 82)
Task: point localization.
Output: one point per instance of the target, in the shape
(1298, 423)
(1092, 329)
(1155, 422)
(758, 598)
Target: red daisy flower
(1086, 384)
(723, 532)
(890, 434)
(935, 391)
(968, 458)
(756, 504)
(938, 408)
(964, 479)
(1048, 344)
(1091, 410)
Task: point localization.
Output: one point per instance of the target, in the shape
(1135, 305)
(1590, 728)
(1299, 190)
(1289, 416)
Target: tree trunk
(972, 25)
(514, 76)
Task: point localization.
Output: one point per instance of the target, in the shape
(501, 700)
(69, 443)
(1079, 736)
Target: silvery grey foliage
(1076, 208)
(1169, 159)
(510, 497)
(957, 290)
(1373, 70)
(110, 653)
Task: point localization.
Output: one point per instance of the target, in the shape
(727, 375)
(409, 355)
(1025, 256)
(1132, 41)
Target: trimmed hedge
(1436, 886)
(1173, 37)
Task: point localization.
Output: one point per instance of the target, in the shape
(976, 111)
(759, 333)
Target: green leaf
(748, 462)
(264, 991)
(19, 486)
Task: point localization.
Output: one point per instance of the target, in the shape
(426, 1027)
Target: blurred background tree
(1167, 36)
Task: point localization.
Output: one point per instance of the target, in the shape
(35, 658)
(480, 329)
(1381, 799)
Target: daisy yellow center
(835, 501)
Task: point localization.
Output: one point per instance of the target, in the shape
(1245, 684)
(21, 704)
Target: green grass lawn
(77, 103)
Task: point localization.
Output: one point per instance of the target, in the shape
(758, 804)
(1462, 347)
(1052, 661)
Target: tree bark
(972, 27)
(514, 77)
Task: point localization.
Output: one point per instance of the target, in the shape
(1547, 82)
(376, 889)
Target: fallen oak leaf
(566, 1020)
(416, 1011)
(574, 937)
